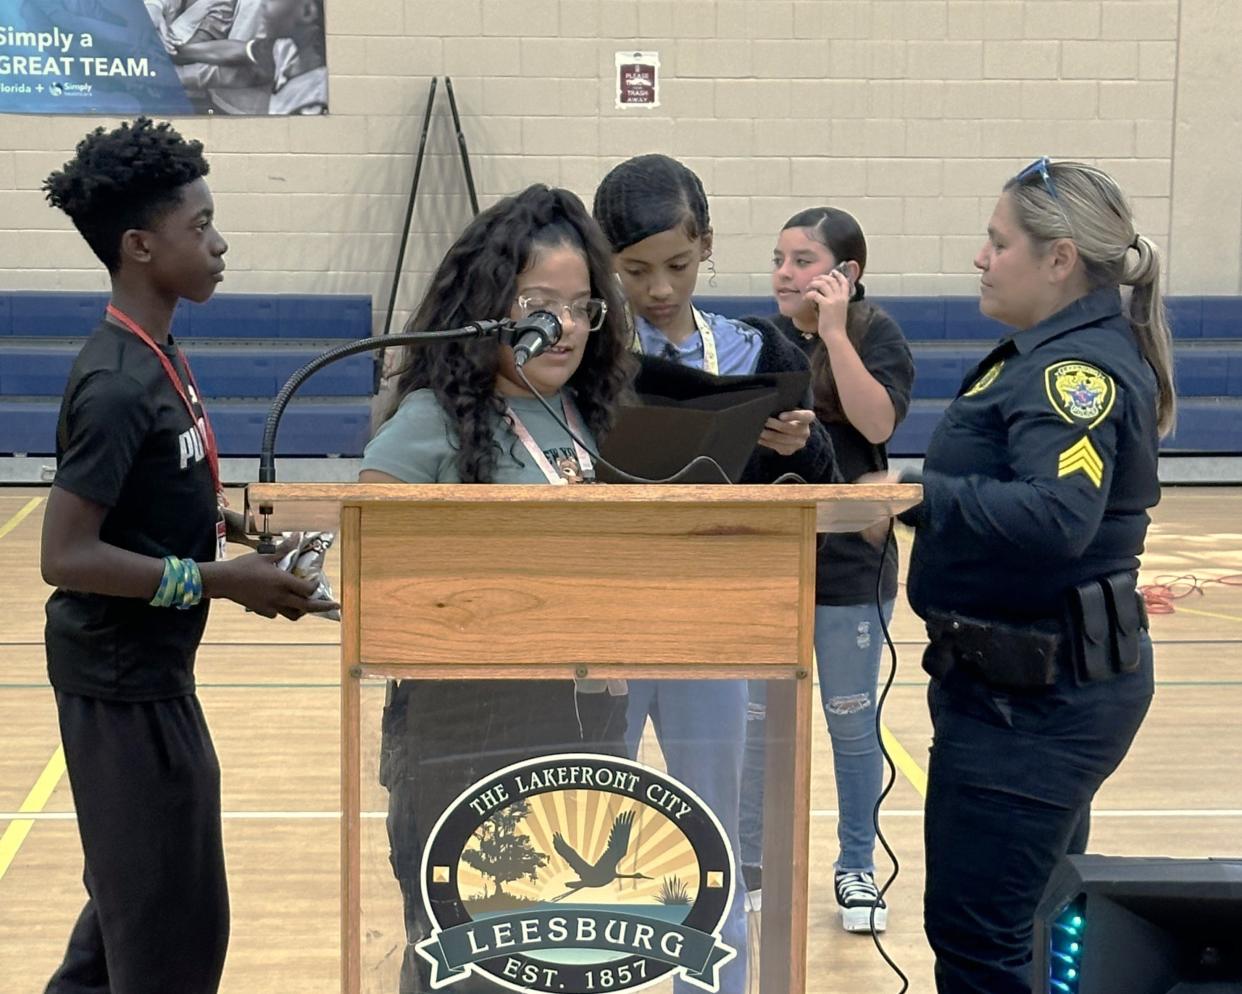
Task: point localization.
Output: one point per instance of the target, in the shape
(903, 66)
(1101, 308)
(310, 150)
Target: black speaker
(1139, 925)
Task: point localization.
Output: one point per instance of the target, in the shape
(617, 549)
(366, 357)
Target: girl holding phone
(862, 375)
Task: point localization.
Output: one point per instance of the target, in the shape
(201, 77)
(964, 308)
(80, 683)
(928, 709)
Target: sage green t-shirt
(416, 445)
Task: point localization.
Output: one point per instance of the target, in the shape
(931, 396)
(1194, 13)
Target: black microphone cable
(627, 477)
(888, 759)
(888, 641)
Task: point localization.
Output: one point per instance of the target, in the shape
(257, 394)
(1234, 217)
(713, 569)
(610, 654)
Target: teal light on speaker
(1066, 939)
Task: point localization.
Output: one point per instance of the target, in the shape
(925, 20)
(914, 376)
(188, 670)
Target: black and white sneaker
(857, 894)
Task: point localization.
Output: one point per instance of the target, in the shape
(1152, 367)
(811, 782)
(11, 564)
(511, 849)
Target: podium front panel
(509, 616)
(508, 841)
(585, 585)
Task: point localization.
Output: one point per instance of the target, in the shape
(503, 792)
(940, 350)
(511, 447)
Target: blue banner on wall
(165, 57)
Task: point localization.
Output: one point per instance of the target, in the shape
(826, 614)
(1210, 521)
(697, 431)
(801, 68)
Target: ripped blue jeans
(849, 644)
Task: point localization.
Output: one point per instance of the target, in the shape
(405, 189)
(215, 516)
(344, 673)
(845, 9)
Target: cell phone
(843, 269)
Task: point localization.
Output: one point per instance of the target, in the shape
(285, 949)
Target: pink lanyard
(550, 472)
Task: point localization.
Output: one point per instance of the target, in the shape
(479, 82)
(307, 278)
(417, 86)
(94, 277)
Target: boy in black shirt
(133, 526)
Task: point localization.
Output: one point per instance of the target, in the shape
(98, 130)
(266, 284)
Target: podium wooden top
(839, 507)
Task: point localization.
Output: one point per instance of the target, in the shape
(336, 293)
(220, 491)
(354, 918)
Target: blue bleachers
(309, 428)
(949, 336)
(244, 346)
(1205, 425)
(49, 313)
(957, 319)
(922, 319)
(256, 371)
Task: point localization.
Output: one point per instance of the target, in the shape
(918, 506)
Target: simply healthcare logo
(58, 89)
(577, 873)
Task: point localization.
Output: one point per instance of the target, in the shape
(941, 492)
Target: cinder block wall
(910, 113)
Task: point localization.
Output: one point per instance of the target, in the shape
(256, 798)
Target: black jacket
(814, 462)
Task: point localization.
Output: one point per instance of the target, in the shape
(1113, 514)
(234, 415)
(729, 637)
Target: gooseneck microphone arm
(267, 460)
(528, 336)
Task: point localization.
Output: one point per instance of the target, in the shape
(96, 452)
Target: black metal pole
(461, 145)
(409, 207)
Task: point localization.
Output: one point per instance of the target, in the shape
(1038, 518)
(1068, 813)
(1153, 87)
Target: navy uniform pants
(146, 787)
(1009, 788)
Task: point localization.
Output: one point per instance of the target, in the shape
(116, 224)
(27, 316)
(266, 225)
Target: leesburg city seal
(576, 874)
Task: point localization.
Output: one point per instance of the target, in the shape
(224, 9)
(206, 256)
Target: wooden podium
(710, 582)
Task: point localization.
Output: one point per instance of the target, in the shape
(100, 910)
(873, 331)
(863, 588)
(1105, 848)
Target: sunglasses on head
(1042, 168)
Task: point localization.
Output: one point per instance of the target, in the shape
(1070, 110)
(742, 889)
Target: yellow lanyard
(711, 360)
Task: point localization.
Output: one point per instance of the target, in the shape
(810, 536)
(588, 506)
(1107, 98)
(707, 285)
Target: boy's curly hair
(122, 179)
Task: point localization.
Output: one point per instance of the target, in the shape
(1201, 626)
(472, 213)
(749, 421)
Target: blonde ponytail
(1090, 208)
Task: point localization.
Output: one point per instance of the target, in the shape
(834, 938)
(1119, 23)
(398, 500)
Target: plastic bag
(306, 561)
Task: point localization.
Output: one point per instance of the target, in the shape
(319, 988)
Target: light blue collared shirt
(737, 344)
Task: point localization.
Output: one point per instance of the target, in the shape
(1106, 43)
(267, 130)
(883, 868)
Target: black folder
(684, 413)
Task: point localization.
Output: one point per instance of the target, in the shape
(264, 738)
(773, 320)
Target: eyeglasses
(590, 311)
(1041, 167)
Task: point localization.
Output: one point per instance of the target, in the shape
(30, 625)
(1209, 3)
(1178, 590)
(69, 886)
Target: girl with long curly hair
(464, 415)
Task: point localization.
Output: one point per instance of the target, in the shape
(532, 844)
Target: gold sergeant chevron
(1081, 456)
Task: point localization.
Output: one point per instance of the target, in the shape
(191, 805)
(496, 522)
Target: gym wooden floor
(269, 690)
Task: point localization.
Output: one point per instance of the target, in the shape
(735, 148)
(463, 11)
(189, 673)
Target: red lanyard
(203, 427)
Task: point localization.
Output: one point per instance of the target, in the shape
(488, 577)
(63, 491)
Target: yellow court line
(904, 761)
(1207, 614)
(17, 831)
(20, 516)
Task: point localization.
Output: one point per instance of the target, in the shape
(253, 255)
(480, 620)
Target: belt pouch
(938, 656)
(1012, 658)
(1126, 617)
(1092, 645)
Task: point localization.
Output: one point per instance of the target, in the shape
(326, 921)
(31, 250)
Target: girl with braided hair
(654, 212)
(463, 415)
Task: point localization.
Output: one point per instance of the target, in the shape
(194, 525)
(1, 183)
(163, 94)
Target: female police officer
(1036, 489)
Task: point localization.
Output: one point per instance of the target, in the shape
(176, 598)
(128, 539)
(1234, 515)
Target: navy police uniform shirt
(1041, 472)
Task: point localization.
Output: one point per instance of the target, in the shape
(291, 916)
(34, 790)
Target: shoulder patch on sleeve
(1079, 392)
(986, 380)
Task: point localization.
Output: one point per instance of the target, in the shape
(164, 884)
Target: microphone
(532, 334)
